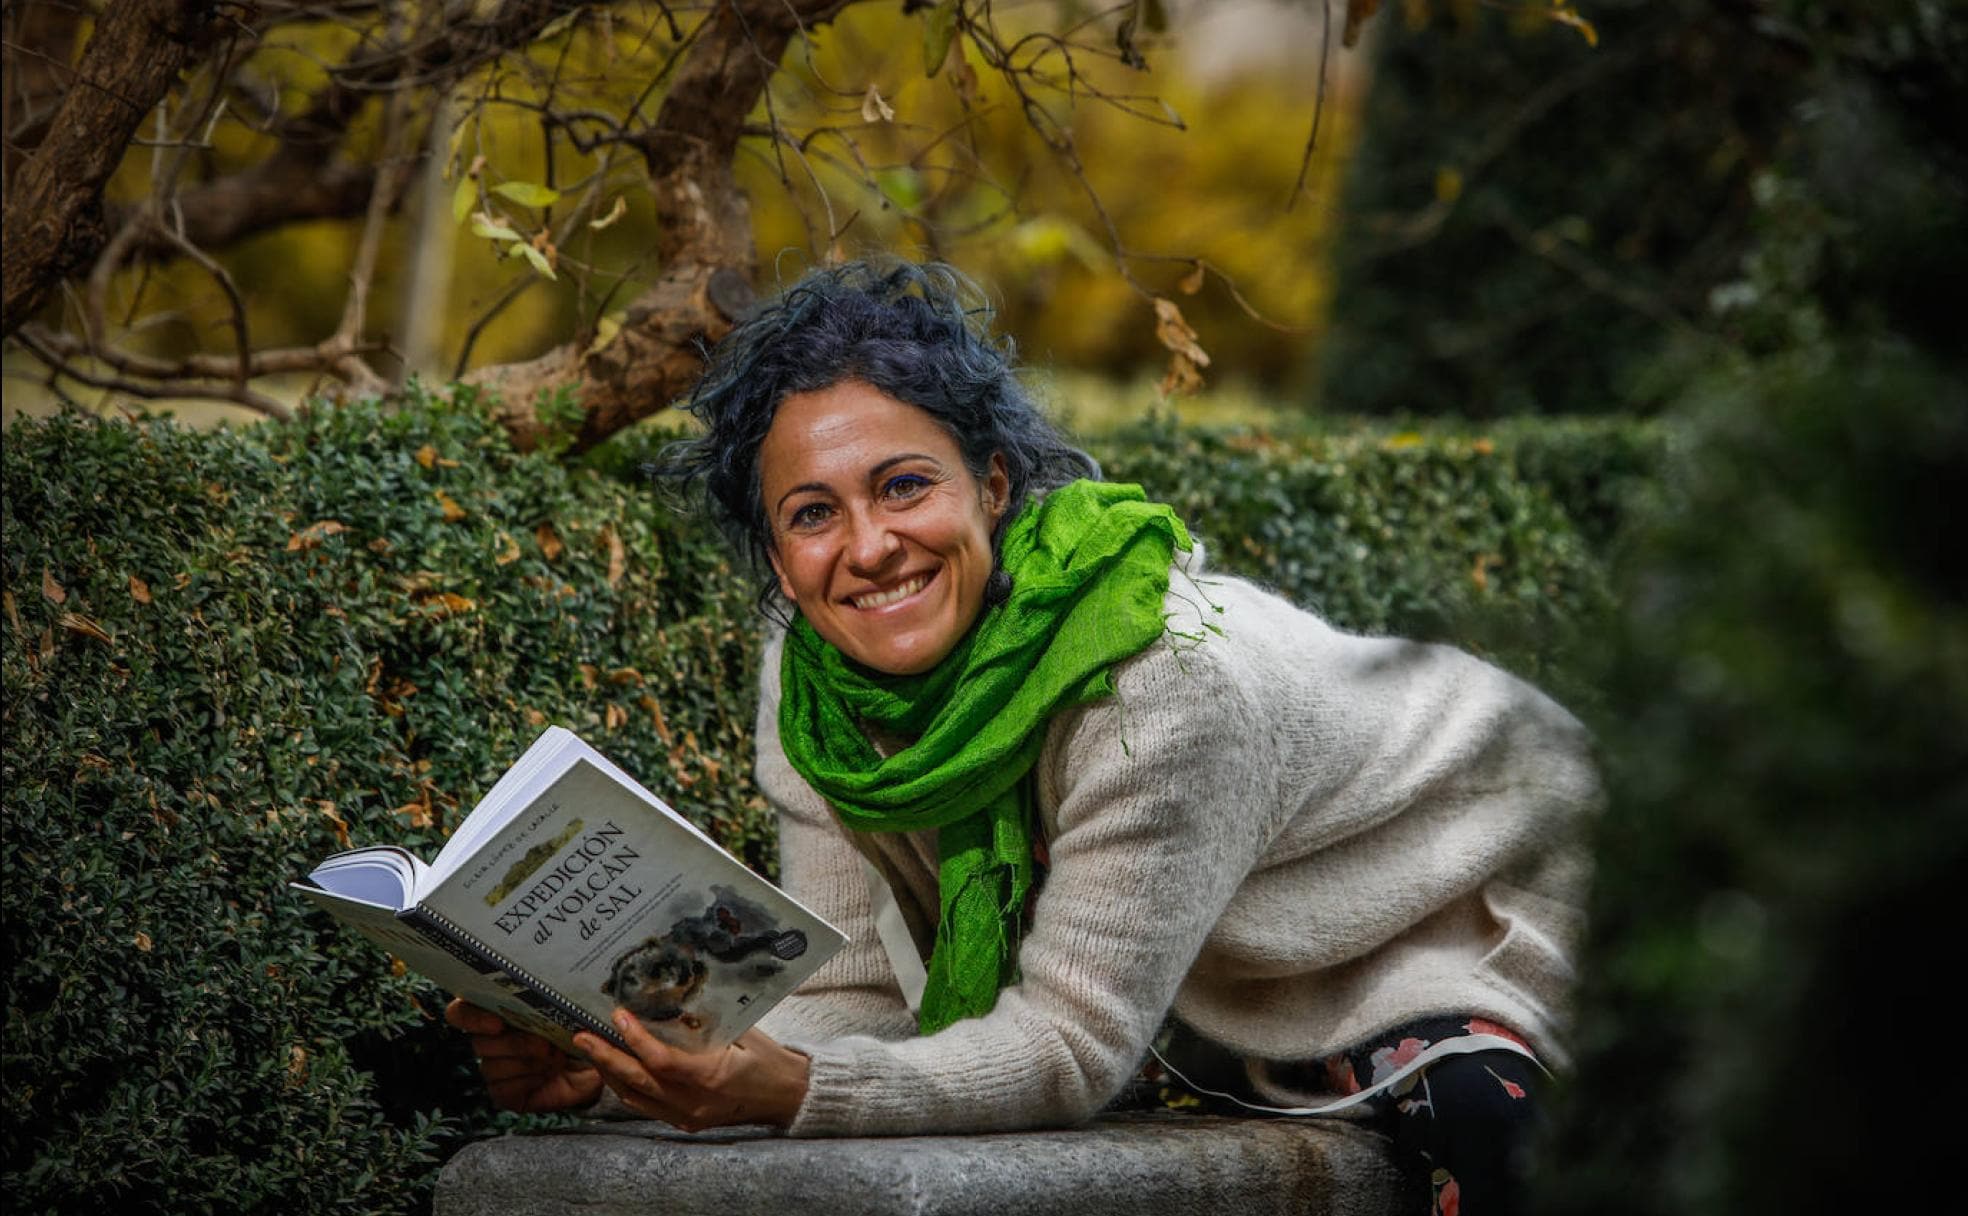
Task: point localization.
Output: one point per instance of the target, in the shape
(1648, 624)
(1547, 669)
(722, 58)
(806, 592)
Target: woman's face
(880, 535)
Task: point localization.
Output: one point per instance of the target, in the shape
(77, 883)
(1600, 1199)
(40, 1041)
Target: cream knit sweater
(1291, 836)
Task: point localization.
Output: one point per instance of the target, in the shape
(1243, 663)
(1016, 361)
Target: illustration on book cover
(673, 977)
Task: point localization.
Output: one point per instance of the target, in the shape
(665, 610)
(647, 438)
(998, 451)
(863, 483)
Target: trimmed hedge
(227, 654)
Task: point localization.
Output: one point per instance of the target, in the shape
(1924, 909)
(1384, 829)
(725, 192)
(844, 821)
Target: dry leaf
(620, 209)
(1483, 447)
(1193, 281)
(341, 824)
(1174, 333)
(13, 610)
(1566, 16)
(589, 673)
(418, 813)
(1479, 573)
(550, 544)
(963, 78)
(618, 557)
(427, 455)
(1181, 378)
(297, 1066)
(656, 713)
(139, 590)
(143, 941)
(614, 716)
(535, 718)
(380, 545)
(311, 536)
(51, 590)
(440, 604)
(874, 109)
(76, 623)
(1357, 13)
(625, 675)
(453, 513)
(397, 967)
(508, 550)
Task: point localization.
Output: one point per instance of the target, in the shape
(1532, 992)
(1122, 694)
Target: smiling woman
(1111, 797)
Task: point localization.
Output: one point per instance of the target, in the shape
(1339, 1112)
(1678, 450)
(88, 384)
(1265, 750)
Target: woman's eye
(907, 486)
(811, 515)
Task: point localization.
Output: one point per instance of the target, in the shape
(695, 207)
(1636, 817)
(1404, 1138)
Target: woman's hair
(919, 333)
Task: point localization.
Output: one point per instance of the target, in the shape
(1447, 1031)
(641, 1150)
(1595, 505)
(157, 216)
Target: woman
(1102, 786)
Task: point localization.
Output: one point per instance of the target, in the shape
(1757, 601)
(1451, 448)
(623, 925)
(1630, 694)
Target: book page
(602, 893)
(383, 875)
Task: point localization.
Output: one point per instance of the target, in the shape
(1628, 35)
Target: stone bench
(1164, 1163)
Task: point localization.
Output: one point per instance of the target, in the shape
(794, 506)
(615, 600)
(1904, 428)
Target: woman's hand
(523, 1072)
(754, 1080)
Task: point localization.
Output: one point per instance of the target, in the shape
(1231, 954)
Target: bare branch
(37, 341)
(1319, 100)
(303, 179)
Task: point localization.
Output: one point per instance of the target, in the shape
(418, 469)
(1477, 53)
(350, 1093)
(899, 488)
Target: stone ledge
(1118, 1165)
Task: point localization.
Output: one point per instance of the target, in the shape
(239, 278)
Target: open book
(569, 890)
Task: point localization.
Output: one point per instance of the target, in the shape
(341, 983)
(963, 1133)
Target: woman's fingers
(699, 1068)
(624, 1072)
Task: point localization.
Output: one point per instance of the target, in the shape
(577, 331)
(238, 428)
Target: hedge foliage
(228, 654)
(1780, 885)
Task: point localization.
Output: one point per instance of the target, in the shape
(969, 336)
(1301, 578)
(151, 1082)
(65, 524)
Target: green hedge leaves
(230, 653)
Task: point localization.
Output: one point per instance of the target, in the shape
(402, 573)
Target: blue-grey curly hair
(920, 333)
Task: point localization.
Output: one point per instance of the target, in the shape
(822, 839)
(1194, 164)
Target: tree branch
(302, 180)
(705, 244)
(53, 214)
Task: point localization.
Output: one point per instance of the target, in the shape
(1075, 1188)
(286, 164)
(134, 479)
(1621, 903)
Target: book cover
(570, 890)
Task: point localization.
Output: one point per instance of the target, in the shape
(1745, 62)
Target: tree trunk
(705, 245)
(53, 214)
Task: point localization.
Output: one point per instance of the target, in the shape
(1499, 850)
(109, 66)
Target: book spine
(443, 932)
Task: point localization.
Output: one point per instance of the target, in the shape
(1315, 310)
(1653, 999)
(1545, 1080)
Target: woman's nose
(870, 545)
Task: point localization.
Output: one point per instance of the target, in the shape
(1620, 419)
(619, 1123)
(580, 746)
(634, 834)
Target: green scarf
(1089, 568)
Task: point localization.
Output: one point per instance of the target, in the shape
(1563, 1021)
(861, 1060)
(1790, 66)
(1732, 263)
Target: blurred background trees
(560, 200)
(1737, 228)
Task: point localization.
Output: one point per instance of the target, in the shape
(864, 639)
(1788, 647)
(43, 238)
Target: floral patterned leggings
(1462, 1121)
(1466, 1121)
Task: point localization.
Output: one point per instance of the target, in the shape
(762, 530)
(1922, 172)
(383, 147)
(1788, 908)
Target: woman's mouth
(892, 595)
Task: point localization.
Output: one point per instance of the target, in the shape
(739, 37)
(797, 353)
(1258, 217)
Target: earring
(997, 588)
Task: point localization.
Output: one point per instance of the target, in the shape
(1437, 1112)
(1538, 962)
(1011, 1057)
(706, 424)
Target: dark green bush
(1438, 534)
(1781, 869)
(224, 650)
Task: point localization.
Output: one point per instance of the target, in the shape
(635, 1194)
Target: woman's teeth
(900, 591)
